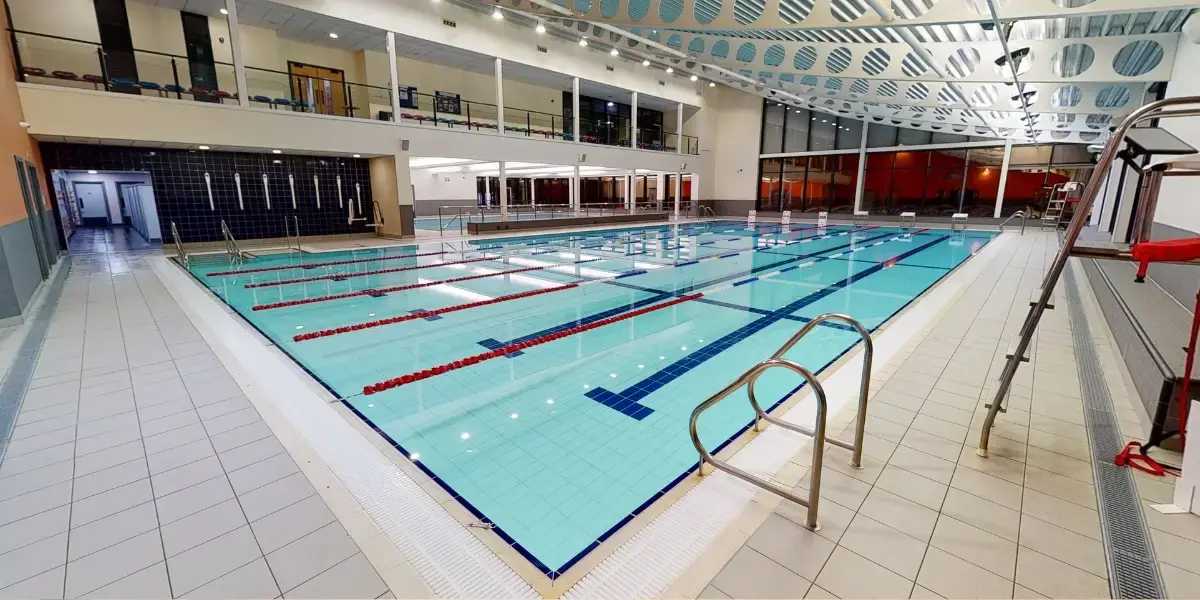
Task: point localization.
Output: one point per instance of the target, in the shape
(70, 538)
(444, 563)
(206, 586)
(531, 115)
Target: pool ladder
(817, 433)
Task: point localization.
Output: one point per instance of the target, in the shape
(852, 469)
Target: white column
(500, 99)
(575, 115)
(1003, 179)
(503, 190)
(862, 168)
(630, 185)
(235, 45)
(575, 177)
(678, 191)
(533, 191)
(660, 190)
(392, 70)
(679, 132)
(633, 125)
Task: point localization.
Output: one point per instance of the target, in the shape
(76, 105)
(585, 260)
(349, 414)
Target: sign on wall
(787, 217)
(408, 96)
(446, 102)
(753, 216)
(822, 219)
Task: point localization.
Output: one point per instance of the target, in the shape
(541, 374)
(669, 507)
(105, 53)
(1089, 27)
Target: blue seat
(149, 85)
(124, 82)
(286, 102)
(263, 99)
(174, 89)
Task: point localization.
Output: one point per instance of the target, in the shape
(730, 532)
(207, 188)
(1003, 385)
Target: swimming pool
(451, 223)
(547, 381)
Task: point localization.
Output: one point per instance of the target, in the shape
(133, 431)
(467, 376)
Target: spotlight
(224, 12)
(583, 41)
(497, 13)
(540, 28)
(694, 78)
(613, 52)
(670, 69)
(203, 147)
(645, 62)
(277, 152)
(333, 34)
(712, 84)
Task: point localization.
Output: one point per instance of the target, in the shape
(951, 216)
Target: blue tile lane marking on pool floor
(628, 401)
(493, 344)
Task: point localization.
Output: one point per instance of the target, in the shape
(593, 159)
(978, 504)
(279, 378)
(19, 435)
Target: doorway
(93, 203)
(116, 211)
(321, 88)
(35, 211)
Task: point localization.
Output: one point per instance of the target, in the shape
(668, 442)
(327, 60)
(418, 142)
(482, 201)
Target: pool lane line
(628, 401)
(498, 352)
(331, 263)
(453, 308)
(657, 294)
(368, 273)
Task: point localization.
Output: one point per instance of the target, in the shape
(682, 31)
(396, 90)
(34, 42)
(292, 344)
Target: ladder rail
(231, 246)
(1091, 191)
(179, 251)
(1019, 213)
(818, 451)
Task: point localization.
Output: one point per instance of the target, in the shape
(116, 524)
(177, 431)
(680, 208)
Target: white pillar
(500, 99)
(678, 191)
(503, 192)
(679, 130)
(235, 45)
(633, 124)
(660, 190)
(862, 168)
(575, 179)
(533, 191)
(575, 115)
(630, 185)
(1003, 179)
(392, 70)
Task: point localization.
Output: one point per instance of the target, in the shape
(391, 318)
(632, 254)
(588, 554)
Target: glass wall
(938, 182)
(809, 184)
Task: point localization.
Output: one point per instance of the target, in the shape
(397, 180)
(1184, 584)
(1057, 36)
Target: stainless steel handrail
(863, 392)
(231, 246)
(180, 253)
(704, 209)
(1144, 217)
(1019, 213)
(818, 452)
(288, 222)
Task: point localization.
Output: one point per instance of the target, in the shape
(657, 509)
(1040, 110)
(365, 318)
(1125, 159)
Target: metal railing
(288, 223)
(706, 213)
(1143, 219)
(231, 246)
(179, 251)
(1018, 214)
(448, 215)
(378, 215)
(817, 432)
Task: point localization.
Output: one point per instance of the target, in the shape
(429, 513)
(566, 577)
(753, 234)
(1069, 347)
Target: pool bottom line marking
(368, 273)
(498, 352)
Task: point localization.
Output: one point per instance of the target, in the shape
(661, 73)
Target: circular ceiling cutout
(746, 52)
(887, 89)
(1088, 136)
(638, 9)
(962, 62)
(669, 10)
(913, 65)
(908, 9)
(786, 78)
(1066, 96)
(583, 6)
(945, 112)
(1029, 96)
(809, 80)
(774, 56)
(985, 95)
(1098, 121)
(696, 46)
(876, 61)
(838, 60)
(1061, 120)
(847, 10)
(1072, 3)
(794, 11)
(720, 49)
(1138, 58)
(959, 128)
(917, 91)
(896, 108)
(746, 12)
(805, 58)
(999, 115)
(1072, 60)
(1113, 97)
(860, 87)
(609, 8)
(982, 130)
(706, 11)
(945, 96)
(675, 41)
(833, 84)
(1023, 60)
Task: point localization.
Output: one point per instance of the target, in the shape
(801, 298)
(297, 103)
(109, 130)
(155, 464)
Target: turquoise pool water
(450, 223)
(560, 444)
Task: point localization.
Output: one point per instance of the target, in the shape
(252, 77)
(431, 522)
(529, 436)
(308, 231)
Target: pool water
(450, 220)
(562, 442)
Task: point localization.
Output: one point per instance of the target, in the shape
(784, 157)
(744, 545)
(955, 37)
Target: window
(768, 188)
(772, 137)
(795, 134)
(849, 134)
(881, 136)
(794, 175)
(822, 131)
(912, 137)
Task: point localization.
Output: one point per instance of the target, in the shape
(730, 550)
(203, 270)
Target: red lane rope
(365, 273)
(398, 288)
(426, 313)
(478, 358)
(331, 263)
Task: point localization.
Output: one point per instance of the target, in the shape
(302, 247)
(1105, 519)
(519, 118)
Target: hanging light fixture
(712, 84)
(645, 62)
(670, 69)
(497, 13)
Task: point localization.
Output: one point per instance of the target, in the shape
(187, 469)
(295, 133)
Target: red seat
(198, 91)
(1166, 250)
(64, 75)
(33, 71)
(93, 79)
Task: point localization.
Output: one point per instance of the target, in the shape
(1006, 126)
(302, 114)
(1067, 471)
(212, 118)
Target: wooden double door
(322, 89)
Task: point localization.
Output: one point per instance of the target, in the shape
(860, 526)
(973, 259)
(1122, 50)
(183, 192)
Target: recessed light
(203, 147)
(712, 84)
(540, 28)
(497, 13)
(694, 78)
(610, 103)
(333, 34)
(224, 12)
(645, 62)
(91, 172)
(583, 41)
(277, 152)
(670, 69)
(613, 52)
(357, 156)
(277, 161)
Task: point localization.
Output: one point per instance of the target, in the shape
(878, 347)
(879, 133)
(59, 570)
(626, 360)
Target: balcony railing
(58, 60)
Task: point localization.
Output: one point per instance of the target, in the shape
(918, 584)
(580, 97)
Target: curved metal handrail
(1019, 213)
(183, 257)
(864, 386)
(814, 486)
(231, 246)
(704, 209)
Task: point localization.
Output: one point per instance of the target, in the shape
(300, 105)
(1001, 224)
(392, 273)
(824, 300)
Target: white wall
(1177, 204)
(442, 186)
(143, 212)
(734, 120)
(110, 180)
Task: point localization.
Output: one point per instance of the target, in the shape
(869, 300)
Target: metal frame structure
(1020, 214)
(288, 222)
(231, 246)
(817, 432)
(1188, 106)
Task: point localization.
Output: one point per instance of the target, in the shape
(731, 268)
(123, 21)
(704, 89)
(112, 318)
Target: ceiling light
(333, 34)
(277, 161)
(694, 78)
(91, 172)
(613, 52)
(357, 156)
(224, 12)
(610, 103)
(497, 13)
(277, 152)
(645, 62)
(540, 28)
(583, 41)
(712, 84)
(670, 69)
(203, 147)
